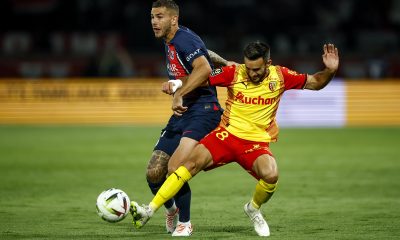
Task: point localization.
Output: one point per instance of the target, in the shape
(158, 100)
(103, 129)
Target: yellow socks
(263, 193)
(170, 187)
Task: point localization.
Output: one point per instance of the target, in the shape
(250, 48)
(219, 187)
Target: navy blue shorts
(199, 120)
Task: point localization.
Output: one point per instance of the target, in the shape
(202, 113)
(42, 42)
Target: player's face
(257, 69)
(162, 20)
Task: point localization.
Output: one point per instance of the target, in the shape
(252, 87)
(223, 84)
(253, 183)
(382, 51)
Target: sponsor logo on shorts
(255, 147)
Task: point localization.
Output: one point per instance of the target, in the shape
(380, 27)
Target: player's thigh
(181, 154)
(195, 125)
(266, 168)
(168, 141)
(200, 158)
(221, 146)
(200, 121)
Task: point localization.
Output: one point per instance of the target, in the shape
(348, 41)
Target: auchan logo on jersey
(240, 97)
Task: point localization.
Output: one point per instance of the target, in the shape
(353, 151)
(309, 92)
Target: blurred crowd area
(113, 38)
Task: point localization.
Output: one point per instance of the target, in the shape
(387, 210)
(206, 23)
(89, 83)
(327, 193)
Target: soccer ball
(113, 205)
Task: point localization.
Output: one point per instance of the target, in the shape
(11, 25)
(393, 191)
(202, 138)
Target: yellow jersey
(250, 111)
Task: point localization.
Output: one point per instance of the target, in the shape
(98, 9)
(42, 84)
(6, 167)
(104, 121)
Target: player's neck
(171, 34)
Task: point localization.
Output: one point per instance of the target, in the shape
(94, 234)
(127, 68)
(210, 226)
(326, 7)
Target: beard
(163, 33)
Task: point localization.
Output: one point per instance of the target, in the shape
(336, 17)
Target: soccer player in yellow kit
(247, 127)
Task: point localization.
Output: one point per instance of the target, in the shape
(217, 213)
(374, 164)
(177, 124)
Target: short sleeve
(292, 79)
(190, 47)
(222, 77)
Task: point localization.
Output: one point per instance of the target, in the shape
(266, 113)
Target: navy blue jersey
(180, 52)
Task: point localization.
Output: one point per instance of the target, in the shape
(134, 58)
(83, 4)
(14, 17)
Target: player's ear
(174, 19)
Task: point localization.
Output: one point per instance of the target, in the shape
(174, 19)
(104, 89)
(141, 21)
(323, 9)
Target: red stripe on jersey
(175, 66)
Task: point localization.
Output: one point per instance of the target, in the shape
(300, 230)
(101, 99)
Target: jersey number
(222, 135)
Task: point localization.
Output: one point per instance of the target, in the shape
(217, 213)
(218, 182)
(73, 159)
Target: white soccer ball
(113, 205)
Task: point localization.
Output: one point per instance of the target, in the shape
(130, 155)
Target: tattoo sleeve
(217, 59)
(157, 168)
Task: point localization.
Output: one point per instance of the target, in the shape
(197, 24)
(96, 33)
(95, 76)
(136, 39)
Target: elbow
(318, 83)
(319, 87)
(324, 83)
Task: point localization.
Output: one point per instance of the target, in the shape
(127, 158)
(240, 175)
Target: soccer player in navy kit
(196, 109)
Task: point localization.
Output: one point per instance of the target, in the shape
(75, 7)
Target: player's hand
(331, 57)
(171, 86)
(177, 105)
(167, 87)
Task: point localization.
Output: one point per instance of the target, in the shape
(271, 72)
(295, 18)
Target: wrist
(178, 93)
(331, 71)
(177, 83)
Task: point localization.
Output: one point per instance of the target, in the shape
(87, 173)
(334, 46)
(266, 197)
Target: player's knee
(172, 169)
(196, 164)
(270, 176)
(157, 168)
(265, 167)
(192, 166)
(271, 179)
(188, 165)
(156, 175)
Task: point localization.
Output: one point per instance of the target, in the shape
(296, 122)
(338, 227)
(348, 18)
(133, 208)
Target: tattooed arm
(217, 60)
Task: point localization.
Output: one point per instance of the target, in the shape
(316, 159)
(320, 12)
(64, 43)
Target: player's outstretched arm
(330, 59)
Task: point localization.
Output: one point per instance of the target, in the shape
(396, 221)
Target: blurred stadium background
(68, 65)
(45, 43)
(54, 38)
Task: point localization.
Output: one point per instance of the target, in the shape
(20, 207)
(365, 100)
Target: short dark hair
(169, 4)
(255, 50)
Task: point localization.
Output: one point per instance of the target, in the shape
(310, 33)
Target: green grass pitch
(334, 184)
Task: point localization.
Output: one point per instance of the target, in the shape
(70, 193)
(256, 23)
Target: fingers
(179, 110)
(164, 87)
(167, 88)
(330, 48)
(177, 114)
(177, 105)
